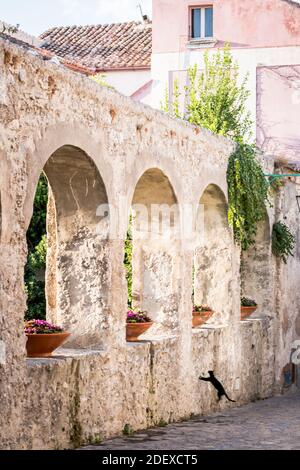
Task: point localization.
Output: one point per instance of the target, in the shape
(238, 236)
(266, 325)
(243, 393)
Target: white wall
(128, 82)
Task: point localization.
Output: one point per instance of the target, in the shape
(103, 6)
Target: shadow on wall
(256, 270)
(77, 267)
(213, 256)
(156, 280)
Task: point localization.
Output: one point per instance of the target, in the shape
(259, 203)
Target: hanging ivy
(283, 241)
(247, 194)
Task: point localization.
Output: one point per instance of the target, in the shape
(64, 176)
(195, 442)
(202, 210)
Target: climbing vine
(283, 241)
(247, 194)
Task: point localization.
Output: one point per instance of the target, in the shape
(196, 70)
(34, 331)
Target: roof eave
(122, 69)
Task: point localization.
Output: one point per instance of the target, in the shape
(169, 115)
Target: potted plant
(136, 324)
(43, 338)
(248, 306)
(201, 313)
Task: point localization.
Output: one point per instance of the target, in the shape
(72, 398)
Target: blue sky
(36, 16)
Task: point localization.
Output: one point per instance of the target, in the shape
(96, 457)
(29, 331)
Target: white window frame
(203, 37)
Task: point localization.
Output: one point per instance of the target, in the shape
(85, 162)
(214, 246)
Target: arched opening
(155, 260)
(256, 270)
(212, 258)
(75, 248)
(0, 217)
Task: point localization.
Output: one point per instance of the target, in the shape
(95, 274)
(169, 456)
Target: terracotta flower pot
(134, 330)
(199, 318)
(247, 311)
(40, 345)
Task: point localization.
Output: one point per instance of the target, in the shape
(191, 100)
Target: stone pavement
(267, 424)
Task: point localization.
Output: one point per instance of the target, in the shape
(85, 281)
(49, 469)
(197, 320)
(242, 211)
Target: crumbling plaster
(92, 391)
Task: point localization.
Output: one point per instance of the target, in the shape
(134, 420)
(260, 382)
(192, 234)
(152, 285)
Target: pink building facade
(265, 39)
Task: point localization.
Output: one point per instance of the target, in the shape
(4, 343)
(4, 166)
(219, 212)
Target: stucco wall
(92, 392)
(128, 81)
(243, 23)
(278, 121)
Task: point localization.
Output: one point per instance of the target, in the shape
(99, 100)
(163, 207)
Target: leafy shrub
(35, 281)
(128, 262)
(201, 308)
(283, 241)
(246, 302)
(34, 275)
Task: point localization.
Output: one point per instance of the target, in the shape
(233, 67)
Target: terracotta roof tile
(103, 47)
(47, 55)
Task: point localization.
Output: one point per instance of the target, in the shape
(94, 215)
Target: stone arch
(156, 236)
(256, 269)
(213, 255)
(0, 217)
(55, 137)
(78, 273)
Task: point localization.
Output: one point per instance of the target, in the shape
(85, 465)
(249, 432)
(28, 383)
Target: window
(202, 23)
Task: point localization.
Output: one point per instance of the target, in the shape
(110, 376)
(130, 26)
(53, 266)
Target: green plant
(37, 227)
(128, 262)
(128, 430)
(217, 100)
(246, 302)
(283, 241)
(216, 97)
(172, 108)
(247, 194)
(34, 274)
(101, 79)
(162, 423)
(35, 281)
(201, 308)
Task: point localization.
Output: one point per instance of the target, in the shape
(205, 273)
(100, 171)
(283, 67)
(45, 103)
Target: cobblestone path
(267, 424)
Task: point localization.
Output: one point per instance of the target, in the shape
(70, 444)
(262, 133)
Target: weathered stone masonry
(95, 147)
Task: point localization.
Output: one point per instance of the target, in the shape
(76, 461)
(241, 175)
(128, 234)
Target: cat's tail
(229, 399)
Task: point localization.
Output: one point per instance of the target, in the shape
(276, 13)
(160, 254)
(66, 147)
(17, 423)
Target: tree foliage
(128, 261)
(35, 281)
(37, 227)
(217, 100)
(34, 275)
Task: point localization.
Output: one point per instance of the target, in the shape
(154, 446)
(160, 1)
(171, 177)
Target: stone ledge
(208, 328)
(63, 355)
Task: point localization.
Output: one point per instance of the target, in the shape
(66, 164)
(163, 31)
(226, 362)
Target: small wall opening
(76, 270)
(212, 271)
(155, 259)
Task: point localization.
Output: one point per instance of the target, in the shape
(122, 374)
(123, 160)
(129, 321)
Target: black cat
(215, 382)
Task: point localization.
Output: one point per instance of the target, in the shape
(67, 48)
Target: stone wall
(95, 147)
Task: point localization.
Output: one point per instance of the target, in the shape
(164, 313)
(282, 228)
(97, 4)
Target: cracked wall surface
(95, 146)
